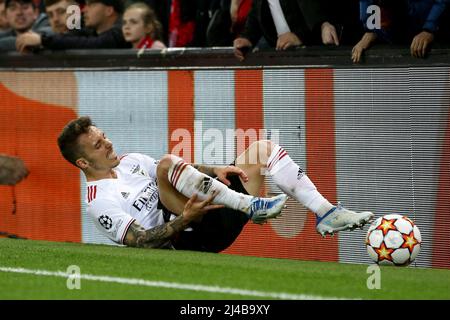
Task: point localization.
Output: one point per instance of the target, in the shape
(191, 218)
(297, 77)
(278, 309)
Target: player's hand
(12, 170)
(421, 44)
(26, 40)
(241, 47)
(362, 45)
(329, 34)
(194, 209)
(287, 40)
(223, 172)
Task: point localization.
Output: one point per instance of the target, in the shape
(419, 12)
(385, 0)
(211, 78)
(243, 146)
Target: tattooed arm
(160, 236)
(157, 237)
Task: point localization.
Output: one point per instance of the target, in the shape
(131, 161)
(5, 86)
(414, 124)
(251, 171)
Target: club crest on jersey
(135, 169)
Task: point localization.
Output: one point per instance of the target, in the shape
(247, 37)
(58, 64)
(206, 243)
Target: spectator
(188, 21)
(12, 170)
(4, 25)
(416, 22)
(162, 10)
(103, 30)
(345, 17)
(286, 23)
(40, 5)
(57, 14)
(227, 21)
(141, 27)
(239, 10)
(22, 16)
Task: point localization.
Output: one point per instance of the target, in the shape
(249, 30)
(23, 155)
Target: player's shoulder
(134, 156)
(100, 192)
(130, 158)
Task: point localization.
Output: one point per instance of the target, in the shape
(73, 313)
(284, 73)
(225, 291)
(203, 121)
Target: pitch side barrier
(221, 57)
(375, 136)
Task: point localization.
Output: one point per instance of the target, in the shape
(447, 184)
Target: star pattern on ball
(384, 253)
(386, 225)
(409, 241)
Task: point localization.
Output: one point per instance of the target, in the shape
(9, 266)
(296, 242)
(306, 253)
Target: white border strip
(171, 285)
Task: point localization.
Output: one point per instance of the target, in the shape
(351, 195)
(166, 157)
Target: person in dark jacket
(287, 23)
(414, 22)
(103, 30)
(22, 16)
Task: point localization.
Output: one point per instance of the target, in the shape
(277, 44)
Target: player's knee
(262, 149)
(165, 163)
(263, 145)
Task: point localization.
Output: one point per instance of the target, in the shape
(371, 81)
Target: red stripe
(175, 170)
(279, 157)
(175, 173)
(126, 230)
(89, 193)
(270, 163)
(282, 156)
(249, 110)
(179, 174)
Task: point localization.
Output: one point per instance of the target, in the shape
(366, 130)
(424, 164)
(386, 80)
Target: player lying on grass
(141, 202)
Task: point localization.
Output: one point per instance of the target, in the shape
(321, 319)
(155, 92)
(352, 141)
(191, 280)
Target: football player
(141, 202)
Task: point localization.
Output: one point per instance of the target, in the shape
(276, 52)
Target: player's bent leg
(170, 197)
(188, 181)
(292, 180)
(253, 161)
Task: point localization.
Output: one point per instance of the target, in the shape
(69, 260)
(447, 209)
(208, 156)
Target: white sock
(188, 180)
(290, 178)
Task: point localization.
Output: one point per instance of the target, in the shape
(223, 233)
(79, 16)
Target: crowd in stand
(32, 25)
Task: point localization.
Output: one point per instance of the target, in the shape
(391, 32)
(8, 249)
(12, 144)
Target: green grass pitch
(281, 276)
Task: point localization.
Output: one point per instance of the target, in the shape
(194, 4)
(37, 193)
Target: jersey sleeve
(110, 219)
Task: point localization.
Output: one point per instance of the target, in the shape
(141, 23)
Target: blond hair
(150, 18)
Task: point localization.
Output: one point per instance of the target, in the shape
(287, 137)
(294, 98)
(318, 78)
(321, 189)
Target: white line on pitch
(171, 285)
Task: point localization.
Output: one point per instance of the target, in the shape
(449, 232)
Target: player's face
(98, 150)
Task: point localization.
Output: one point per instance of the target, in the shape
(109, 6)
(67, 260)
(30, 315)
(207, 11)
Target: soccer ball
(393, 240)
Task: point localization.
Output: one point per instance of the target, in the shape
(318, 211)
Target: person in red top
(181, 32)
(141, 27)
